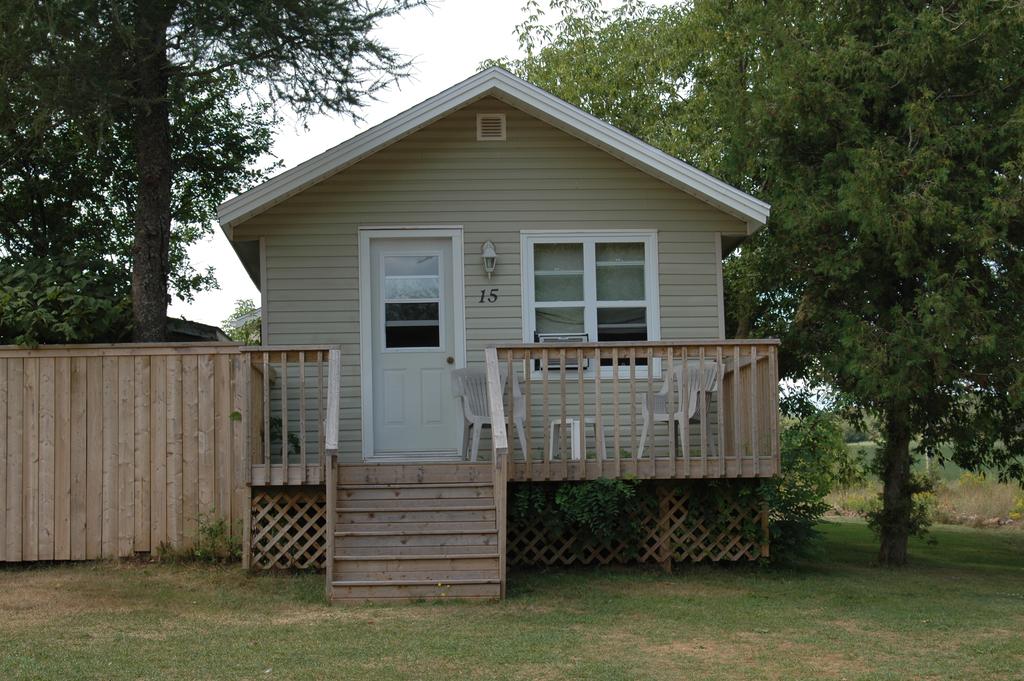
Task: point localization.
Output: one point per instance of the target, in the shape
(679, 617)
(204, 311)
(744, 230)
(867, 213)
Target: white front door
(414, 348)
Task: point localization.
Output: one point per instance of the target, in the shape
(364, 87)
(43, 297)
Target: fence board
(174, 452)
(140, 421)
(79, 453)
(45, 498)
(30, 497)
(94, 478)
(125, 456)
(205, 455)
(158, 451)
(222, 427)
(62, 458)
(3, 457)
(190, 447)
(109, 430)
(15, 456)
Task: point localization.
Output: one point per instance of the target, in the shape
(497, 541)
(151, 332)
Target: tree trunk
(151, 247)
(897, 490)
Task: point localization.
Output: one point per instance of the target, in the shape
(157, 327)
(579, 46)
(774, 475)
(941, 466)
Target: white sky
(447, 44)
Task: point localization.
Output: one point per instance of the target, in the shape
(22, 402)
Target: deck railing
(294, 394)
(658, 409)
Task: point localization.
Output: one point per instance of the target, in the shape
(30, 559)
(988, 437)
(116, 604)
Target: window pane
(559, 320)
(620, 253)
(620, 271)
(412, 287)
(411, 276)
(558, 272)
(411, 325)
(410, 265)
(622, 324)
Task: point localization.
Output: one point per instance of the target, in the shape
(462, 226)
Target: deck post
(330, 454)
(499, 454)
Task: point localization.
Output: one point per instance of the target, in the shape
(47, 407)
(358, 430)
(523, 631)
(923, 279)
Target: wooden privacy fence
(107, 451)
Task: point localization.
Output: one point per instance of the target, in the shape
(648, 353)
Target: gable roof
(500, 84)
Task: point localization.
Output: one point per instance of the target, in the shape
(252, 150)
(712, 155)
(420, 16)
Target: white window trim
(649, 237)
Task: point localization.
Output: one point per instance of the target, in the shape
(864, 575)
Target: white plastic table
(577, 437)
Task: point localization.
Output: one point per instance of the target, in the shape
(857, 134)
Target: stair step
(340, 584)
(411, 590)
(368, 505)
(450, 545)
(417, 556)
(407, 532)
(394, 485)
(412, 509)
(419, 527)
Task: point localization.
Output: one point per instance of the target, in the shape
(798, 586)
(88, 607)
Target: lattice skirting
(287, 528)
(688, 522)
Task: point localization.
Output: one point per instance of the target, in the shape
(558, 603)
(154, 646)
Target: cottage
(495, 215)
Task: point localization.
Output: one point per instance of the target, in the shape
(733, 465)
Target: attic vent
(490, 127)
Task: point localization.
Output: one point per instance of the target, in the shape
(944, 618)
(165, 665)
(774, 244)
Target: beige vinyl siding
(540, 178)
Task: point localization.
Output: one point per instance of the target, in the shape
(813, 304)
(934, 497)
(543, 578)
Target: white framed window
(601, 285)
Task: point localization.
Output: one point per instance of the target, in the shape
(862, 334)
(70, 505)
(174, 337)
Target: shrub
(1017, 513)
(814, 454)
(214, 543)
(603, 511)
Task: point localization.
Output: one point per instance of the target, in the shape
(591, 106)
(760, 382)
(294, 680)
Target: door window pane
(620, 271)
(558, 272)
(411, 325)
(412, 288)
(412, 277)
(410, 265)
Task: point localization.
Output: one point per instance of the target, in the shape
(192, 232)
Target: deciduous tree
(889, 139)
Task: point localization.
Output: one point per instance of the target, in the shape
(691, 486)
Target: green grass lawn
(958, 613)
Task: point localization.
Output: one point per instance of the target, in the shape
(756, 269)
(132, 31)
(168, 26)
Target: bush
(594, 512)
(602, 511)
(814, 455)
(214, 544)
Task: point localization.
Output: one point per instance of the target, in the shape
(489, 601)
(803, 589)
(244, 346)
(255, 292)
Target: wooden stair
(409, 532)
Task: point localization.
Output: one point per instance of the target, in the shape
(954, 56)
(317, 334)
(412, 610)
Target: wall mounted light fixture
(490, 257)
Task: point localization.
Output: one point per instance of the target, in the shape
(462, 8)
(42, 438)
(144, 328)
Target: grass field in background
(957, 613)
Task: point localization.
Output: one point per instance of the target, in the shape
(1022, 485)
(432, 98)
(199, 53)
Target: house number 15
(488, 295)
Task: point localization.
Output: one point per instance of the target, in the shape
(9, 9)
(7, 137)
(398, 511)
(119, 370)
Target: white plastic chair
(654, 406)
(471, 386)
